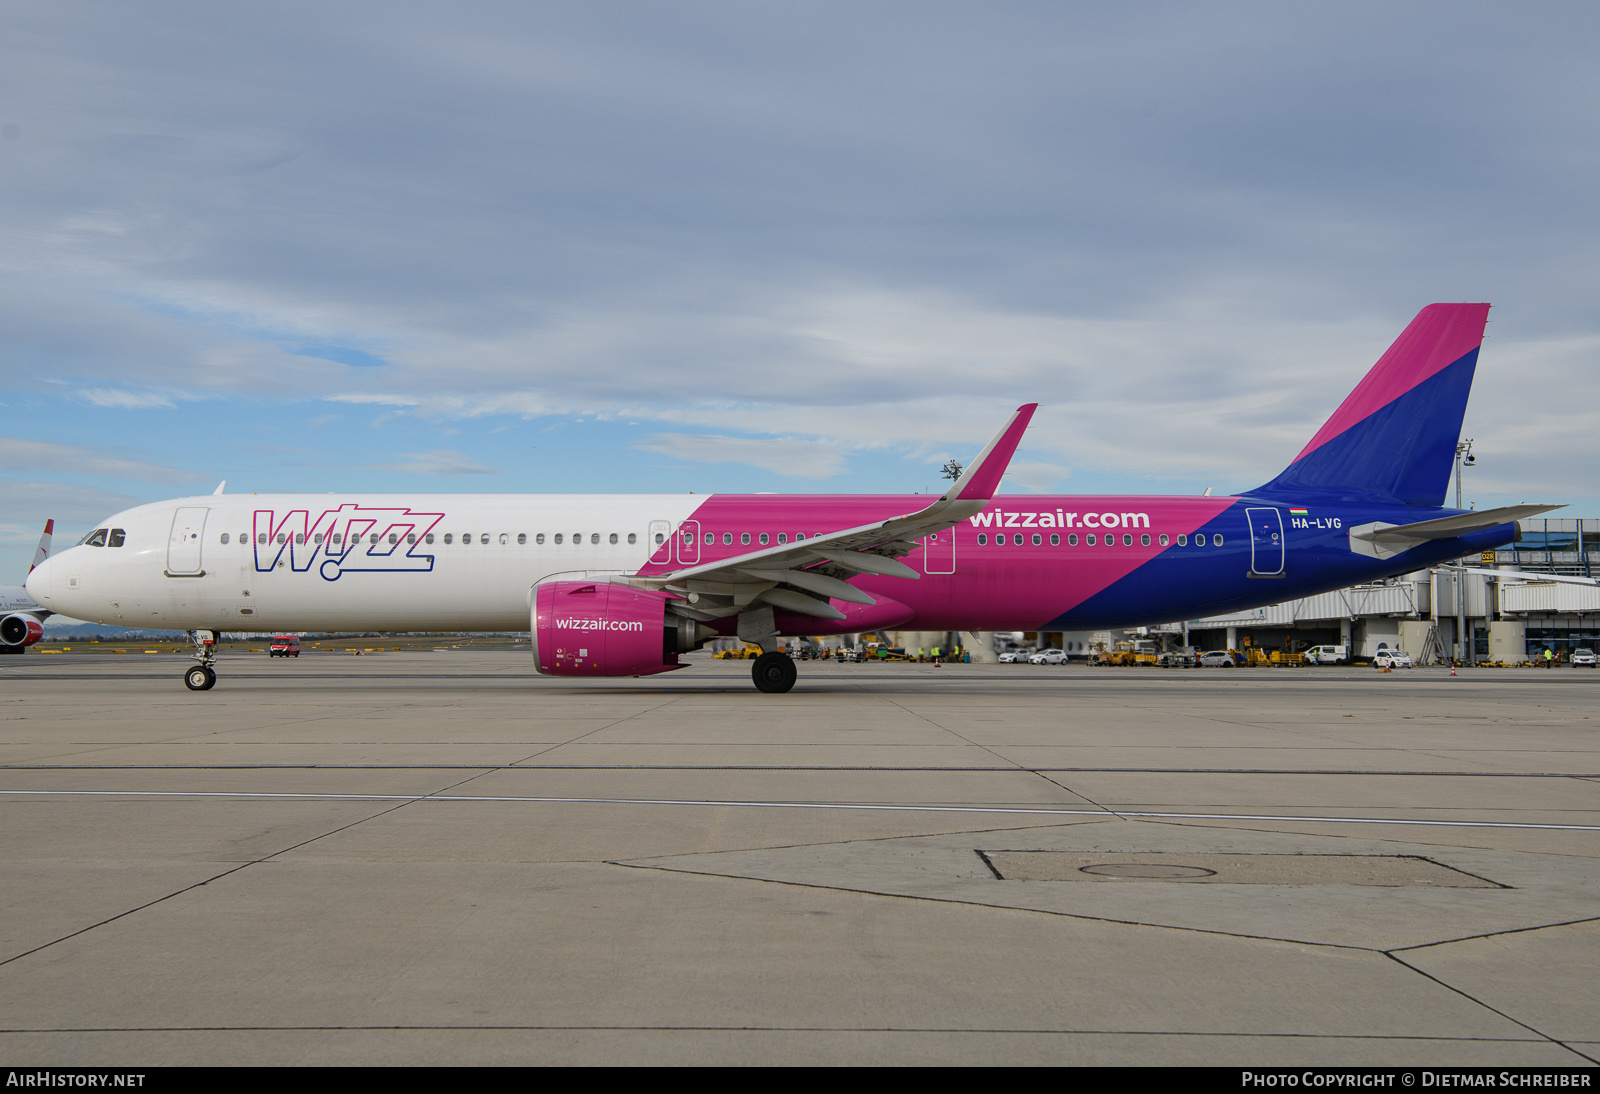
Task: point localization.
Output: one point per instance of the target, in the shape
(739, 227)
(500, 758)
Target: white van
(1327, 655)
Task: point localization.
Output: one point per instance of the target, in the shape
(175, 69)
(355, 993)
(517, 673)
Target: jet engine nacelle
(18, 631)
(599, 628)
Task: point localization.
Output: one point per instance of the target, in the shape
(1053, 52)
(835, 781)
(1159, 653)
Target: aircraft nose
(38, 583)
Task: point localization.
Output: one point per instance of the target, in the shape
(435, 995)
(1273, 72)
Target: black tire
(774, 673)
(199, 678)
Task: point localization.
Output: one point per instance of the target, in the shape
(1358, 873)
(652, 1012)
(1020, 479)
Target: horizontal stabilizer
(1451, 527)
(1384, 540)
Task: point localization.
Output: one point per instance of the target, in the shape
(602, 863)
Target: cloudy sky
(793, 247)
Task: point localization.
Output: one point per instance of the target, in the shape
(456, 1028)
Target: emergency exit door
(183, 546)
(1266, 541)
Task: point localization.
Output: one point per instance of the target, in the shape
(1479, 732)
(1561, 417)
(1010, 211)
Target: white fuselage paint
(253, 586)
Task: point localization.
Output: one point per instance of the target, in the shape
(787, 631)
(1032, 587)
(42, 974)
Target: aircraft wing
(800, 577)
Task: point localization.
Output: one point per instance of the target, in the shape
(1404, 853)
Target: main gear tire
(774, 673)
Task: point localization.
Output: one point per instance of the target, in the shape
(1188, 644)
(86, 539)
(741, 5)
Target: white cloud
(440, 462)
(1183, 233)
(20, 454)
(125, 399)
(782, 456)
(1035, 478)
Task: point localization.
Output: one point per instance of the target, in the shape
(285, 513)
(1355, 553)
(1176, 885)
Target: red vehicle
(284, 645)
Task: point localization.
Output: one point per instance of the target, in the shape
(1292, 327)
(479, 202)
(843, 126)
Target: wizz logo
(349, 539)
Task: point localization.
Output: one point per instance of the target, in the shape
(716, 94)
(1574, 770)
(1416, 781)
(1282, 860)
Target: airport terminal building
(1507, 618)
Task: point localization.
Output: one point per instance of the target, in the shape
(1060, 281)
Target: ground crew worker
(1549, 657)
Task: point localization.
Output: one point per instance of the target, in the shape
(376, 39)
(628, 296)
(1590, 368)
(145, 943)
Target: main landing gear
(202, 677)
(774, 673)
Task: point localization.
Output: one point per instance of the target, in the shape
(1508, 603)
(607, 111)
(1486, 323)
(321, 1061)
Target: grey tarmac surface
(411, 858)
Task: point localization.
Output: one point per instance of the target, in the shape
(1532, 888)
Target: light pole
(1464, 458)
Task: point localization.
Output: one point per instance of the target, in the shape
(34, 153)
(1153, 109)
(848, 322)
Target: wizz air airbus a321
(621, 585)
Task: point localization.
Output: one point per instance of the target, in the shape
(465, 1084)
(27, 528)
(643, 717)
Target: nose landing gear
(202, 677)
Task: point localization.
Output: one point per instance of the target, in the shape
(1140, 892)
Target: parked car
(1015, 657)
(1049, 657)
(1584, 658)
(284, 645)
(1327, 655)
(1394, 659)
(1217, 659)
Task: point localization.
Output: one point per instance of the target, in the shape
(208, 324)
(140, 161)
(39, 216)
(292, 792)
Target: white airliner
(22, 620)
(622, 585)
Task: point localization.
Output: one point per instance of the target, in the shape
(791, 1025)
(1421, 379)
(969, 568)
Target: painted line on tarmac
(859, 806)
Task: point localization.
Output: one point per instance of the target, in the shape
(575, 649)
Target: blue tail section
(1394, 438)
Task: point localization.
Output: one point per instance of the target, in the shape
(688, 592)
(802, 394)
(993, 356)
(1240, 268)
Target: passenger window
(633, 537)
(244, 537)
(1072, 539)
(1183, 541)
(1144, 540)
(798, 536)
(744, 538)
(711, 538)
(613, 537)
(1037, 539)
(374, 538)
(1089, 539)
(558, 539)
(224, 538)
(261, 537)
(782, 538)
(282, 539)
(1017, 539)
(1216, 540)
(727, 539)
(1055, 540)
(660, 539)
(448, 537)
(300, 539)
(594, 537)
(522, 538)
(983, 540)
(765, 539)
(316, 537)
(428, 538)
(504, 539)
(394, 537)
(335, 538)
(539, 539)
(1163, 539)
(1127, 539)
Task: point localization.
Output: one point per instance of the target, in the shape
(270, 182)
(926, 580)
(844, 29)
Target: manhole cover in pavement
(1229, 869)
(1145, 869)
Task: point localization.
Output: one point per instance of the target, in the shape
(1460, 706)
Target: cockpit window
(118, 537)
(97, 538)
